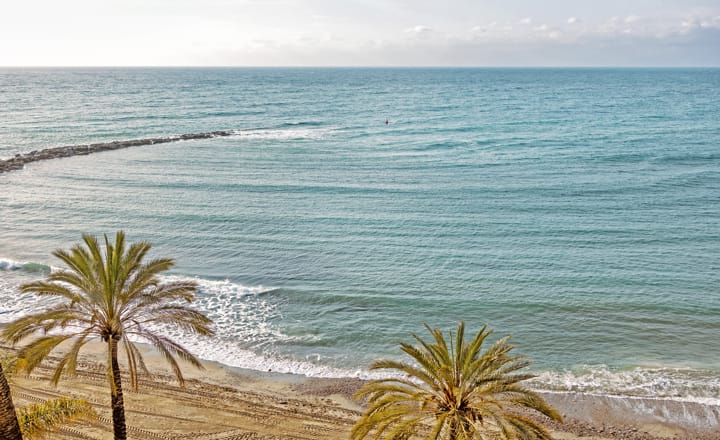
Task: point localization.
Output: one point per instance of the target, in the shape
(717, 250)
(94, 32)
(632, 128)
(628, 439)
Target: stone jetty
(19, 161)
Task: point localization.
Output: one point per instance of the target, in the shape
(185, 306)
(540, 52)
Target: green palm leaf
(109, 292)
(39, 418)
(452, 391)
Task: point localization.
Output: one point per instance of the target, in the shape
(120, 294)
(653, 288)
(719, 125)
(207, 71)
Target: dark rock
(17, 162)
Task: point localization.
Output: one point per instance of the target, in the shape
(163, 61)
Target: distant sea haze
(576, 209)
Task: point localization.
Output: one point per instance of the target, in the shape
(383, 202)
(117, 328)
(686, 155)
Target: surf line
(19, 161)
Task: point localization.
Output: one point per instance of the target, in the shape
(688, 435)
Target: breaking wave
(679, 384)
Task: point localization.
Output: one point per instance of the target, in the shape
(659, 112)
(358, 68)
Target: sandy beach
(222, 403)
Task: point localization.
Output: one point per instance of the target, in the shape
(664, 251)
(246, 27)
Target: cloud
(301, 34)
(700, 23)
(626, 30)
(418, 30)
(630, 24)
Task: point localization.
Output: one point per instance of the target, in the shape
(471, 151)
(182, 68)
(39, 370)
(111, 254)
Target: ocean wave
(283, 134)
(8, 265)
(14, 305)
(248, 335)
(677, 384)
(303, 123)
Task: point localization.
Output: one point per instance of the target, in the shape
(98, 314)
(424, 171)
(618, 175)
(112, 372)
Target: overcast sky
(360, 32)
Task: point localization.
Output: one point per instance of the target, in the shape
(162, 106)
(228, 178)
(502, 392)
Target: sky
(360, 33)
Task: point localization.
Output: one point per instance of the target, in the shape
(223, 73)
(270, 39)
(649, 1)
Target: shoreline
(601, 416)
(586, 412)
(589, 411)
(671, 385)
(318, 405)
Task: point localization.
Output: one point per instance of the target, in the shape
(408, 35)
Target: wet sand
(222, 403)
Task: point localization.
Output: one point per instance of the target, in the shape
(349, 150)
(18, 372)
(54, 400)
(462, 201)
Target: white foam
(241, 316)
(28, 266)
(7, 264)
(246, 317)
(284, 134)
(14, 305)
(245, 334)
(677, 384)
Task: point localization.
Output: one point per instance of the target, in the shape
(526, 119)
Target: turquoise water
(578, 210)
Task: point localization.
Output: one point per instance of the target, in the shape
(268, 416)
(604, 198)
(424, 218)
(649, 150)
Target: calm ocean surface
(578, 210)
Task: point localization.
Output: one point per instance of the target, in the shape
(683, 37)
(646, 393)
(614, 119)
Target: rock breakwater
(19, 161)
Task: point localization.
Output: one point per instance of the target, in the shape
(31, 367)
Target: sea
(577, 210)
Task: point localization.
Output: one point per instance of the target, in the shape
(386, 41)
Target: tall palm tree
(113, 295)
(452, 392)
(9, 426)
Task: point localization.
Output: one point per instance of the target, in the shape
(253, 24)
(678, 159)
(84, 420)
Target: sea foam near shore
(249, 338)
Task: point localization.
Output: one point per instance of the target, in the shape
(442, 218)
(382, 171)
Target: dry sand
(220, 403)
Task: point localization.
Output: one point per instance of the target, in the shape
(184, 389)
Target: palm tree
(39, 418)
(117, 297)
(35, 421)
(9, 426)
(452, 392)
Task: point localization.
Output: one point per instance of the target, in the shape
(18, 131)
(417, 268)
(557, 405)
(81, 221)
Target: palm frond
(169, 349)
(409, 370)
(34, 353)
(179, 316)
(135, 359)
(145, 275)
(455, 391)
(109, 292)
(38, 419)
(70, 359)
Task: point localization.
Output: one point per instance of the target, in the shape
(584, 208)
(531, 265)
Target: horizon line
(220, 66)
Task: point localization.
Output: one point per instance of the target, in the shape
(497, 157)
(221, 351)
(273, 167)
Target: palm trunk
(9, 427)
(116, 395)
